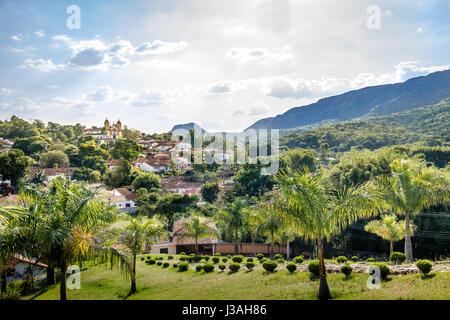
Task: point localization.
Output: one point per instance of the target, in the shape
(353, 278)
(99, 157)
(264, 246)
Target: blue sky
(222, 64)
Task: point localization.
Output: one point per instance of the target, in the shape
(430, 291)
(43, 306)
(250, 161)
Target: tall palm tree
(410, 189)
(234, 218)
(387, 228)
(196, 227)
(284, 236)
(318, 212)
(253, 225)
(271, 224)
(137, 234)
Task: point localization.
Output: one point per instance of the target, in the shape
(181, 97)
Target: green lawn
(154, 282)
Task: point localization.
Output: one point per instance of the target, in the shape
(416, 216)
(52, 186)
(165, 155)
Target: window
(164, 250)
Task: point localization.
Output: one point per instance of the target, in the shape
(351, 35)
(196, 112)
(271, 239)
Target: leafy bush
(195, 259)
(13, 292)
(347, 270)
(341, 259)
(270, 265)
(228, 256)
(224, 260)
(222, 266)
(142, 258)
(159, 263)
(166, 264)
(208, 267)
(355, 258)
(206, 258)
(238, 258)
(424, 266)
(278, 256)
(148, 257)
(370, 259)
(299, 259)
(291, 267)
(280, 260)
(384, 269)
(313, 267)
(263, 260)
(249, 259)
(198, 268)
(397, 257)
(170, 257)
(259, 256)
(175, 265)
(160, 258)
(151, 261)
(234, 267)
(183, 266)
(215, 259)
(182, 253)
(183, 258)
(217, 254)
(250, 265)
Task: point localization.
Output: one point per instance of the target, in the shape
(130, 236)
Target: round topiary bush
(424, 266)
(397, 257)
(291, 267)
(151, 261)
(222, 267)
(263, 260)
(280, 260)
(160, 258)
(299, 259)
(237, 259)
(159, 263)
(215, 259)
(347, 270)
(192, 254)
(270, 265)
(313, 267)
(341, 259)
(228, 256)
(217, 254)
(249, 259)
(183, 266)
(259, 256)
(278, 256)
(183, 258)
(175, 265)
(142, 258)
(355, 258)
(182, 253)
(148, 257)
(384, 269)
(198, 268)
(234, 267)
(250, 265)
(224, 260)
(170, 257)
(370, 259)
(206, 258)
(166, 265)
(208, 267)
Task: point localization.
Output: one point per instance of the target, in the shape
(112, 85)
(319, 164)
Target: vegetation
(424, 266)
(388, 228)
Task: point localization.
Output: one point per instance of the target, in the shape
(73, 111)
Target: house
(114, 163)
(152, 164)
(22, 267)
(180, 185)
(52, 173)
(6, 144)
(124, 198)
(164, 145)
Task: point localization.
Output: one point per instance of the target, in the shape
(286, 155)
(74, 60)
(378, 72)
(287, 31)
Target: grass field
(154, 282)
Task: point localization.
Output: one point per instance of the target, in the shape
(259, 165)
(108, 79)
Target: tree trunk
(62, 282)
(324, 291)
(196, 246)
(133, 276)
(50, 275)
(287, 251)
(3, 289)
(236, 245)
(392, 246)
(408, 244)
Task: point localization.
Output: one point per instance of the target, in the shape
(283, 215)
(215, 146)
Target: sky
(223, 64)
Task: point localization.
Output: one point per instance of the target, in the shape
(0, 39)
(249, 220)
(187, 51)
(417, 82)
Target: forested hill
(429, 125)
(370, 101)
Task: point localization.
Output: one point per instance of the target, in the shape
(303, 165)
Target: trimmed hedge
(215, 259)
(397, 257)
(424, 266)
(238, 258)
(270, 265)
(347, 270)
(355, 258)
(341, 259)
(222, 267)
(299, 259)
(198, 268)
(277, 256)
(259, 256)
(234, 267)
(384, 269)
(250, 265)
(313, 267)
(166, 265)
(291, 267)
(208, 267)
(183, 266)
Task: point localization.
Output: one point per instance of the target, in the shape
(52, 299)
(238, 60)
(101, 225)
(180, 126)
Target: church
(108, 132)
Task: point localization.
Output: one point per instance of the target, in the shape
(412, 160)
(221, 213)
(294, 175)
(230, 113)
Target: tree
(169, 204)
(147, 180)
(196, 227)
(233, 218)
(387, 228)
(96, 163)
(271, 224)
(134, 236)
(250, 182)
(210, 191)
(126, 149)
(86, 174)
(410, 189)
(310, 205)
(55, 158)
(14, 165)
(119, 176)
(296, 159)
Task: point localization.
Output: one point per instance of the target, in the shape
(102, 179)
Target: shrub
(194, 258)
(280, 261)
(299, 259)
(215, 259)
(234, 267)
(270, 265)
(198, 268)
(182, 253)
(249, 259)
(250, 265)
(142, 258)
(341, 259)
(263, 260)
(183, 266)
(384, 269)
(224, 260)
(148, 257)
(291, 267)
(355, 258)
(424, 266)
(175, 265)
(206, 258)
(170, 257)
(222, 267)
(228, 256)
(370, 259)
(313, 267)
(238, 259)
(277, 256)
(166, 264)
(159, 263)
(183, 258)
(192, 254)
(259, 256)
(217, 254)
(397, 257)
(208, 267)
(347, 270)
(151, 261)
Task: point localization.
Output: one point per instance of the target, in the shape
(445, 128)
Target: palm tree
(253, 225)
(318, 212)
(284, 236)
(387, 228)
(410, 189)
(271, 224)
(137, 234)
(196, 227)
(234, 218)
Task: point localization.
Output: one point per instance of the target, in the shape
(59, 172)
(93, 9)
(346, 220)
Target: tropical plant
(196, 227)
(233, 218)
(308, 202)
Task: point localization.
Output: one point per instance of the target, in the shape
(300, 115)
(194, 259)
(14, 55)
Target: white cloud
(39, 33)
(42, 65)
(419, 30)
(156, 97)
(255, 109)
(159, 47)
(17, 37)
(259, 55)
(5, 91)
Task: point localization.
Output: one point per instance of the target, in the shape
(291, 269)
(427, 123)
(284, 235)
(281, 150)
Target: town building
(106, 133)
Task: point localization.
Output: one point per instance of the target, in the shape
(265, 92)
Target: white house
(22, 267)
(152, 164)
(6, 144)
